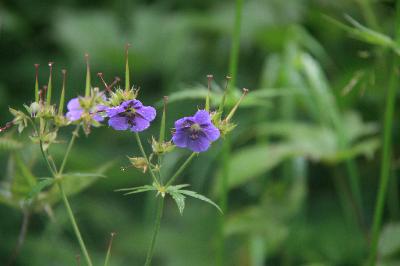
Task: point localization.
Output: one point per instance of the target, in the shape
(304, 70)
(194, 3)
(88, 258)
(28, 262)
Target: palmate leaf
(194, 194)
(179, 200)
(178, 194)
(140, 189)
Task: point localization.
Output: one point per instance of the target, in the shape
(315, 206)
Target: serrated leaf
(39, 187)
(177, 187)
(179, 200)
(194, 194)
(134, 190)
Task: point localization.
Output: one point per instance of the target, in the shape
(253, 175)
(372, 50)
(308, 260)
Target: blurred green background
(312, 127)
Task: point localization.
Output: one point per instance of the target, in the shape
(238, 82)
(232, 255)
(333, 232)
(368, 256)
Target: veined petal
(118, 123)
(114, 111)
(139, 124)
(74, 104)
(211, 132)
(180, 138)
(147, 112)
(199, 145)
(74, 115)
(202, 117)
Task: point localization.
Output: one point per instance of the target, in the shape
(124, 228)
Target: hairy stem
(74, 224)
(71, 143)
(155, 232)
(146, 158)
(180, 170)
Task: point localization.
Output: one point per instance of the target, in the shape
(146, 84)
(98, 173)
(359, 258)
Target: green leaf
(200, 197)
(8, 144)
(73, 183)
(365, 34)
(261, 158)
(179, 200)
(134, 190)
(23, 180)
(39, 187)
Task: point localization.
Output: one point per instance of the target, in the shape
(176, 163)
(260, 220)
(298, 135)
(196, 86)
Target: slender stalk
(226, 149)
(70, 144)
(180, 170)
(74, 224)
(385, 165)
(56, 174)
(387, 149)
(233, 68)
(155, 233)
(146, 158)
(107, 260)
(45, 157)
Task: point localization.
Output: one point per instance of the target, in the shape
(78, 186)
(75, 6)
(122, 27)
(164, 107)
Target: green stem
(180, 170)
(155, 233)
(74, 224)
(146, 158)
(233, 68)
(223, 200)
(57, 175)
(52, 171)
(385, 165)
(387, 149)
(71, 143)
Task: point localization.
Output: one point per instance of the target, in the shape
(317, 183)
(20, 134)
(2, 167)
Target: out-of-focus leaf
(366, 34)
(251, 161)
(389, 242)
(23, 180)
(73, 183)
(9, 144)
(254, 98)
(39, 187)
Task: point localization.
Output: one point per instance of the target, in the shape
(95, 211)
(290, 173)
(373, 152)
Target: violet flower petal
(118, 122)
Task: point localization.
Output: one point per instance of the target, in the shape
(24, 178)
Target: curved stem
(180, 170)
(146, 158)
(57, 174)
(74, 224)
(71, 143)
(155, 232)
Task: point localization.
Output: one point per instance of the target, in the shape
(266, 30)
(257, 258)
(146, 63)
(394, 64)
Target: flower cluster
(121, 110)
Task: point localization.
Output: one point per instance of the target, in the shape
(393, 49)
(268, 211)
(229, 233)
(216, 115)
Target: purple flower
(131, 114)
(75, 111)
(195, 132)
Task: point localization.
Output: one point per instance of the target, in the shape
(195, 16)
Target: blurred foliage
(317, 72)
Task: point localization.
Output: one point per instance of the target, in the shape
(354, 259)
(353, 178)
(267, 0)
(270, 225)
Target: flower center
(195, 127)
